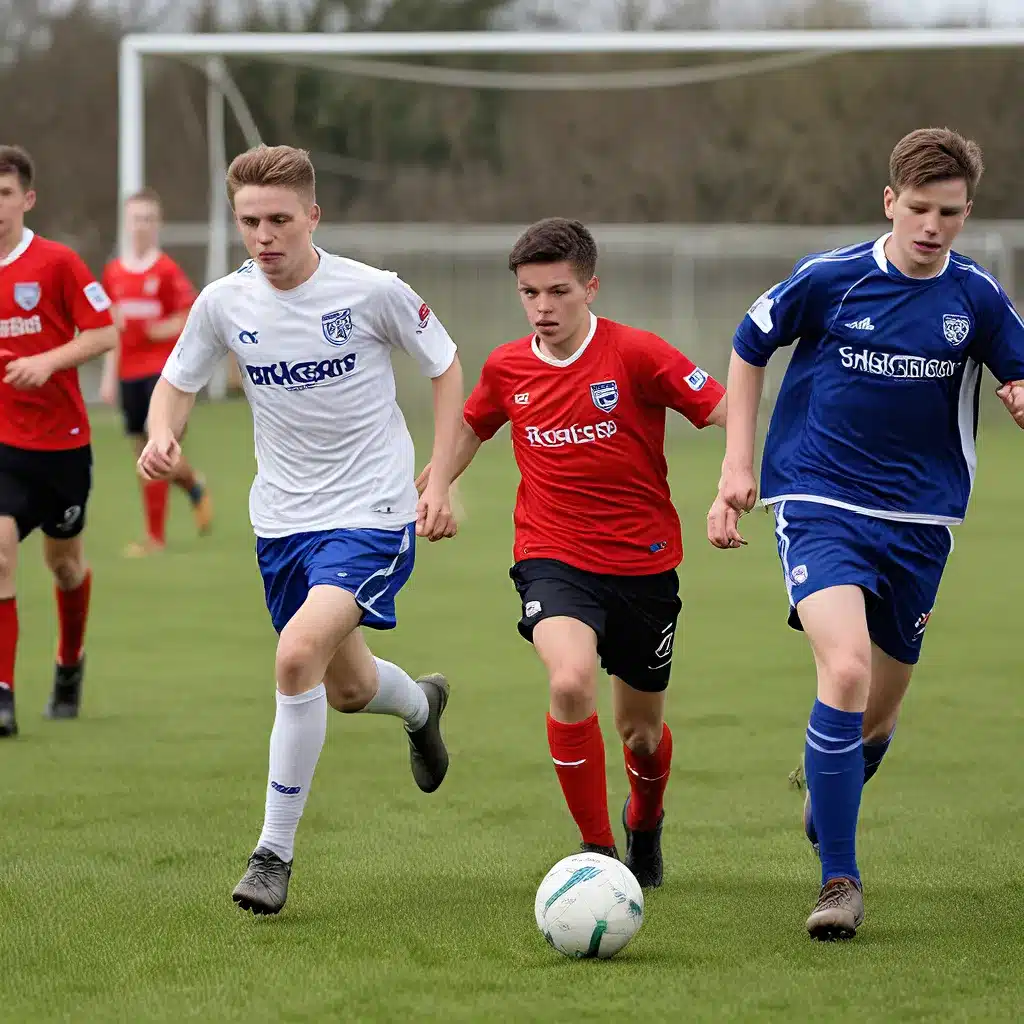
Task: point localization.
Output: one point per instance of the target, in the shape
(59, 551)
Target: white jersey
(332, 447)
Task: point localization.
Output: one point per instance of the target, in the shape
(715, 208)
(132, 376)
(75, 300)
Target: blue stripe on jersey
(878, 409)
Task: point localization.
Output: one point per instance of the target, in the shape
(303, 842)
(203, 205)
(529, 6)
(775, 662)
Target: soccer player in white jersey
(868, 461)
(334, 505)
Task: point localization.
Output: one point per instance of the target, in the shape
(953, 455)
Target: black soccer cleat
(643, 852)
(428, 756)
(263, 888)
(605, 851)
(67, 691)
(8, 723)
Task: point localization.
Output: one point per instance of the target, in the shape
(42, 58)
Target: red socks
(8, 640)
(155, 495)
(578, 753)
(648, 777)
(72, 613)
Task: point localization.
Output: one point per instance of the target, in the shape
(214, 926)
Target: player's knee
(572, 687)
(641, 737)
(295, 662)
(845, 676)
(8, 559)
(68, 568)
(348, 696)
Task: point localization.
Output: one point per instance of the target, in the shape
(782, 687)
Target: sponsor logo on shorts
(559, 437)
(301, 376)
(922, 624)
(798, 574)
(532, 609)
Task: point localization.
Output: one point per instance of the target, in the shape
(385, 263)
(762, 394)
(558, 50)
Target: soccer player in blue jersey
(869, 460)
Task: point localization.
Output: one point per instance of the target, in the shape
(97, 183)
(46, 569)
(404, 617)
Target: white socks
(295, 744)
(398, 695)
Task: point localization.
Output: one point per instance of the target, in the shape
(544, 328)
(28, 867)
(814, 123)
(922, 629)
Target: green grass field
(124, 832)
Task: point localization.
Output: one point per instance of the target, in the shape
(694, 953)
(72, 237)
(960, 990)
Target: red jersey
(144, 294)
(46, 292)
(588, 435)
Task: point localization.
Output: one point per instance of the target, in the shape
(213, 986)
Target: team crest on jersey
(605, 394)
(955, 328)
(151, 286)
(337, 326)
(27, 294)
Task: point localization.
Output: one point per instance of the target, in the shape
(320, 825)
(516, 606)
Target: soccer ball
(589, 905)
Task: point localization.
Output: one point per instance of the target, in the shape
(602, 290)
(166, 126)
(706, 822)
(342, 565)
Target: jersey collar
(145, 262)
(19, 250)
(883, 264)
(551, 361)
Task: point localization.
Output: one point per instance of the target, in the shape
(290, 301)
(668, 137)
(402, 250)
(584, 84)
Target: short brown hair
(553, 240)
(935, 154)
(145, 195)
(14, 160)
(284, 166)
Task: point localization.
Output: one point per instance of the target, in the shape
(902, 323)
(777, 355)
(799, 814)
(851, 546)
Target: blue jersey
(878, 410)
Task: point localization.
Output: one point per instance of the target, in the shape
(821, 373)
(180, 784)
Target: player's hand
(159, 458)
(29, 372)
(108, 391)
(737, 487)
(723, 528)
(434, 517)
(1011, 395)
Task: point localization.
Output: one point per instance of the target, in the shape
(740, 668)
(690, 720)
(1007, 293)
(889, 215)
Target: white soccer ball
(589, 905)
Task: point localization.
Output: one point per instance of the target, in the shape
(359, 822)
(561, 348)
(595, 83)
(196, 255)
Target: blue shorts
(371, 564)
(897, 565)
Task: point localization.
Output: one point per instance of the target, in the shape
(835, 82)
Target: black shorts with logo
(634, 617)
(46, 489)
(135, 396)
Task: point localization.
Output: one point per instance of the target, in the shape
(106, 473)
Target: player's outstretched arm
(737, 487)
(169, 410)
(434, 518)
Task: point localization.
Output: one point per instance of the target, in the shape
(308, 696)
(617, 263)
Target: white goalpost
(377, 54)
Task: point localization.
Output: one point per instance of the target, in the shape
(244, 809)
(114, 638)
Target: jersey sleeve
(408, 323)
(198, 349)
(786, 312)
(665, 376)
(85, 299)
(1000, 342)
(176, 291)
(484, 410)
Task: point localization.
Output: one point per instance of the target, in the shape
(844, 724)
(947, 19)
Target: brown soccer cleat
(839, 911)
(202, 508)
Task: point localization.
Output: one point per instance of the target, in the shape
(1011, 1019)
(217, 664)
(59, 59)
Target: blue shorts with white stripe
(373, 565)
(898, 566)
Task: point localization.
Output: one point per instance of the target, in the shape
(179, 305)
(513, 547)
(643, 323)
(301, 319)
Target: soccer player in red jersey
(597, 539)
(46, 294)
(152, 297)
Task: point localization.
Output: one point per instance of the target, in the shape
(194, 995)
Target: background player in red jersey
(597, 538)
(46, 293)
(152, 297)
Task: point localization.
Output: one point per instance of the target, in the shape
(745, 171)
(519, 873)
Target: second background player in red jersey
(152, 297)
(597, 538)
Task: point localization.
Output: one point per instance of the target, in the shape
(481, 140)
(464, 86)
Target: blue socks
(835, 767)
(873, 754)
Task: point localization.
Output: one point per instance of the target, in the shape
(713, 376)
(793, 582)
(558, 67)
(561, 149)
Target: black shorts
(47, 489)
(634, 617)
(135, 396)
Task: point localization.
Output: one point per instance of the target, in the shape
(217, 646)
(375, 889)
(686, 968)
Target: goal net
(706, 164)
